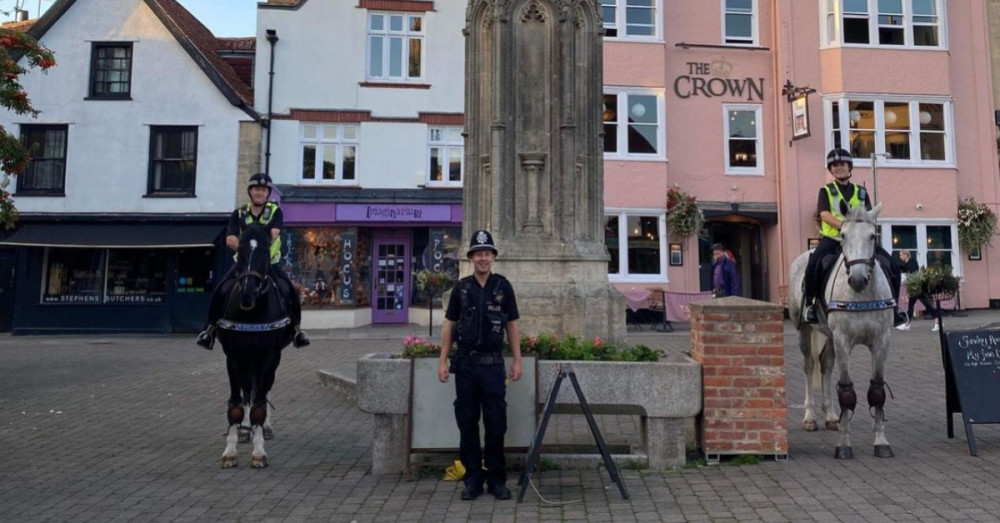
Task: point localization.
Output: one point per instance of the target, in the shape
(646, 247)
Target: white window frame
(844, 128)
(386, 34)
(920, 252)
(754, 13)
(623, 94)
(623, 216)
(321, 142)
(444, 138)
(621, 22)
(758, 170)
(832, 25)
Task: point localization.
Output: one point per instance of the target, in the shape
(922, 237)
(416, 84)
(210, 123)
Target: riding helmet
(839, 155)
(481, 240)
(259, 180)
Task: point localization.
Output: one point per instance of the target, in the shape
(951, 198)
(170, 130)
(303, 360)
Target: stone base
(566, 298)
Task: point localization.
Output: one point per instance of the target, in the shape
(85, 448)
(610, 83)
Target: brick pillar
(740, 345)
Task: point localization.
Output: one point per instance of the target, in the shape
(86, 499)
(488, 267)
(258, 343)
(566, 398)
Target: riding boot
(206, 338)
(810, 314)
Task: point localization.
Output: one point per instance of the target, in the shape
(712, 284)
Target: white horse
(859, 312)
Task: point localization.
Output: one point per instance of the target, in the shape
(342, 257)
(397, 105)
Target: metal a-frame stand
(565, 369)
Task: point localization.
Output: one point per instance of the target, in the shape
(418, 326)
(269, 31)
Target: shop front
(355, 262)
(117, 276)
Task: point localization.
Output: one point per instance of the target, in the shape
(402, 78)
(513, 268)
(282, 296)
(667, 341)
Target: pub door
(7, 259)
(391, 284)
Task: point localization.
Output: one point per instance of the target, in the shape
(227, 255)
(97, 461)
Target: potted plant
(977, 224)
(684, 218)
(936, 281)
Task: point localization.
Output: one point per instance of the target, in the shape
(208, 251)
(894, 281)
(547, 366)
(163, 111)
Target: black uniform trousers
(217, 304)
(828, 246)
(480, 389)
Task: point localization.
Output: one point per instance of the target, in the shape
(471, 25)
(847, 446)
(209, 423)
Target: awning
(114, 235)
(764, 211)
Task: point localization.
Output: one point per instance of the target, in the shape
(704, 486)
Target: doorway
(746, 241)
(390, 287)
(7, 260)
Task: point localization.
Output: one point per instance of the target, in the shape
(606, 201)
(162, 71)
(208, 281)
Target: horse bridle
(262, 278)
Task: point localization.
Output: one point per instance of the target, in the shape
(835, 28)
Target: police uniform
(480, 315)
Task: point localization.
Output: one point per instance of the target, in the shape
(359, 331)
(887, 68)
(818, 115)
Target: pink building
(706, 97)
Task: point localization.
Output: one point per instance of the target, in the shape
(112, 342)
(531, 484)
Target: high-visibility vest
(266, 215)
(835, 197)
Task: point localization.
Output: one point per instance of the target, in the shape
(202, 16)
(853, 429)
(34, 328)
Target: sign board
(973, 359)
(432, 419)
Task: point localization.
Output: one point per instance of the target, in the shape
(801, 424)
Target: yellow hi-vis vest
(265, 218)
(835, 197)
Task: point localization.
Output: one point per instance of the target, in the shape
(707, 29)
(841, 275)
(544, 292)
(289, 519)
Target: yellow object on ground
(455, 472)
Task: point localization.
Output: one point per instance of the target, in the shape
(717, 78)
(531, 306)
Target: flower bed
(550, 347)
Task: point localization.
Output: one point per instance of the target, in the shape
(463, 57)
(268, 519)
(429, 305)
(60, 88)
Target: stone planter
(664, 395)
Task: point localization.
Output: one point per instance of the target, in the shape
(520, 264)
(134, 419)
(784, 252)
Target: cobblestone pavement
(130, 428)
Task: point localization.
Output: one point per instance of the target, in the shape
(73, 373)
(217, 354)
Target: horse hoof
(809, 426)
(258, 462)
(268, 433)
(832, 425)
(228, 462)
(883, 451)
(244, 435)
(844, 453)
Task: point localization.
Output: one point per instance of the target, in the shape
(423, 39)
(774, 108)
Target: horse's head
(858, 234)
(253, 258)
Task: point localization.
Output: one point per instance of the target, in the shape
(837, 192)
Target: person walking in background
(725, 281)
(908, 266)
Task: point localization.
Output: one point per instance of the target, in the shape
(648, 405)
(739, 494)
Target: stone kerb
(740, 344)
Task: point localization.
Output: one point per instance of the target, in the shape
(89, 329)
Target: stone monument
(534, 169)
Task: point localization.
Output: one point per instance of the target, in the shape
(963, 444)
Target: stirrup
(810, 314)
(206, 338)
(301, 339)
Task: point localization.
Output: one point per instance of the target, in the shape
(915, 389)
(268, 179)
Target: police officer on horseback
(481, 309)
(834, 201)
(266, 213)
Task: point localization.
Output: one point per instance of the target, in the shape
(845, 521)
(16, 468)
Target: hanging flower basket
(684, 218)
(976, 224)
(936, 281)
(434, 283)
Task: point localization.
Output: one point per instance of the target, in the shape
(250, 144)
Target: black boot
(810, 314)
(206, 339)
(499, 491)
(301, 339)
(899, 318)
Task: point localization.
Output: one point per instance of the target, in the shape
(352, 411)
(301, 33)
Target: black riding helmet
(839, 155)
(259, 180)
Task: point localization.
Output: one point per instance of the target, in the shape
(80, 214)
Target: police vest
(835, 197)
(247, 218)
(470, 330)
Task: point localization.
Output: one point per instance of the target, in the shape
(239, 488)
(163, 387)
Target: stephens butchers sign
(376, 212)
(712, 80)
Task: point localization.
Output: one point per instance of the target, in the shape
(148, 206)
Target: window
(895, 23)
(111, 71)
(630, 18)
(395, 46)
(446, 152)
(739, 22)
(638, 132)
(81, 276)
(928, 243)
(333, 265)
(908, 131)
(329, 153)
(636, 243)
(744, 148)
(46, 172)
(173, 153)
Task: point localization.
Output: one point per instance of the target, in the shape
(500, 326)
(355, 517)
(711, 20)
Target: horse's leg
(827, 359)
(813, 377)
(876, 395)
(263, 380)
(272, 366)
(268, 429)
(846, 396)
(258, 413)
(246, 382)
(235, 415)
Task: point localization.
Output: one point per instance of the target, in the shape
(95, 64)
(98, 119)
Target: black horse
(254, 328)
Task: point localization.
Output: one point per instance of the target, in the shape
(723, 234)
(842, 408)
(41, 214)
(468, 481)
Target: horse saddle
(825, 267)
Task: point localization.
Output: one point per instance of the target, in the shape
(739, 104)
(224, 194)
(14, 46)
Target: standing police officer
(835, 200)
(266, 213)
(481, 308)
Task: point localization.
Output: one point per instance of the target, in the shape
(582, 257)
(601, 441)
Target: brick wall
(740, 344)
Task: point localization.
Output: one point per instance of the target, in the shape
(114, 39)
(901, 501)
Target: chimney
(22, 15)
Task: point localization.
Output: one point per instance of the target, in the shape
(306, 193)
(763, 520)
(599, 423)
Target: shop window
(435, 249)
(73, 276)
(136, 276)
(194, 270)
(330, 266)
(637, 245)
(927, 243)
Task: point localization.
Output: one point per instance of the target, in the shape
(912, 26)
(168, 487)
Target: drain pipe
(272, 38)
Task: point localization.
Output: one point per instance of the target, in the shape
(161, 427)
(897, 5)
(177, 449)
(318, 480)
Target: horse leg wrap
(235, 413)
(258, 413)
(876, 393)
(846, 396)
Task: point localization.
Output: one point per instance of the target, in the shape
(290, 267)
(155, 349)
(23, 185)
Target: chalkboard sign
(973, 374)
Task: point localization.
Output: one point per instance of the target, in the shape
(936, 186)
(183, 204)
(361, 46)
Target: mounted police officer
(834, 201)
(482, 307)
(266, 213)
